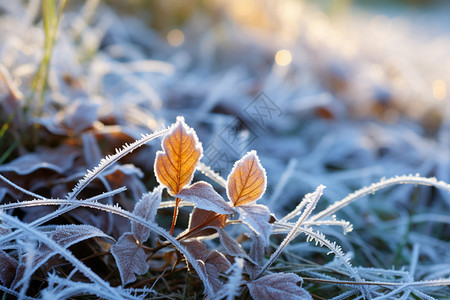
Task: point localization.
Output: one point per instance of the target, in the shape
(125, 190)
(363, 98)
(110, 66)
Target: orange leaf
(175, 166)
(247, 180)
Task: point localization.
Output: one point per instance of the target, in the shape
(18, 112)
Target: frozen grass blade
(384, 183)
(110, 160)
(312, 201)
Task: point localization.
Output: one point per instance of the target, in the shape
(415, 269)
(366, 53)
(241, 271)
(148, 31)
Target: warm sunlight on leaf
(247, 180)
(175, 166)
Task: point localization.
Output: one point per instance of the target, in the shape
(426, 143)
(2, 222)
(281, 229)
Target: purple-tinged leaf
(257, 216)
(204, 222)
(147, 207)
(64, 235)
(130, 258)
(203, 195)
(213, 277)
(231, 246)
(196, 248)
(59, 160)
(8, 267)
(81, 115)
(67, 235)
(218, 260)
(257, 248)
(278, 286)
(91, 150)
(257, 254)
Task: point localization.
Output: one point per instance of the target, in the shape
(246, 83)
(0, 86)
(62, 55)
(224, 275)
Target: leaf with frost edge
(231, 180)
(130, 258)
(203, 195)
(278, 286)
(164, 178)
(257, 217)
(147, 208)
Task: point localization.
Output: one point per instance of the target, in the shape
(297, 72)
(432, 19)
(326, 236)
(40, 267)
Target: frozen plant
(225, 268)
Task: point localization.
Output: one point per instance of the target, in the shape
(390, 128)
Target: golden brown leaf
(247, 180)
(175, 166)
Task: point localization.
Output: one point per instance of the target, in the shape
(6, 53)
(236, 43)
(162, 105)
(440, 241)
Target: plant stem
(175, 215)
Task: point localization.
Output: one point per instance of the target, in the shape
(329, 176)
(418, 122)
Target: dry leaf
(257, 217)
(230, 245)
(278, 286)
(203, 195)
(130, 258)
(147, 207)
(175, 166)
(8, 266)
(204, 222)
(65, 236)
(247, 180)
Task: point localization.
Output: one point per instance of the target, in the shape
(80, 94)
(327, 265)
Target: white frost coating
(312, 200)
(152, 226)
(207, 171)
(111, 159)
(147, 207)
(203, 195)
(51, 215)
(231, 288)
(384, 183)
(257, 216)
(66, 254)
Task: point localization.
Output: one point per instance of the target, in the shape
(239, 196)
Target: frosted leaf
(257, 249)
(231, 246)
(196, 248)
(175, 165)
(247, 180)
(213, 277)
(8, 266)
(130, 258)
(60, 160)
(257, 216)
(278, 286)
(81, 115)
(147, 207)
(218, 260)
(91, 150)
(203, 195)
(205, 222)
(64, 235)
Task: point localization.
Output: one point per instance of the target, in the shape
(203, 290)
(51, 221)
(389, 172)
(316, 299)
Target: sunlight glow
(439, 89)
(175, 37)
(283, 57)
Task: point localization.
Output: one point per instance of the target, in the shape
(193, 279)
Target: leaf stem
(175, 215)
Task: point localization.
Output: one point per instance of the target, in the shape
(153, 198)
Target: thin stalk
(175, 215)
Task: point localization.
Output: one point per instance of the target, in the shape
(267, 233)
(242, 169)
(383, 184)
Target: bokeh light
(175, 37)
(283, 57)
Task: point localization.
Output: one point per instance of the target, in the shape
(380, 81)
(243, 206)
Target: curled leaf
(247, 180)
(203, 195)
(175, 165)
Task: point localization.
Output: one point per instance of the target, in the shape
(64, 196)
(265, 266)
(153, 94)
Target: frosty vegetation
(98, 198)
